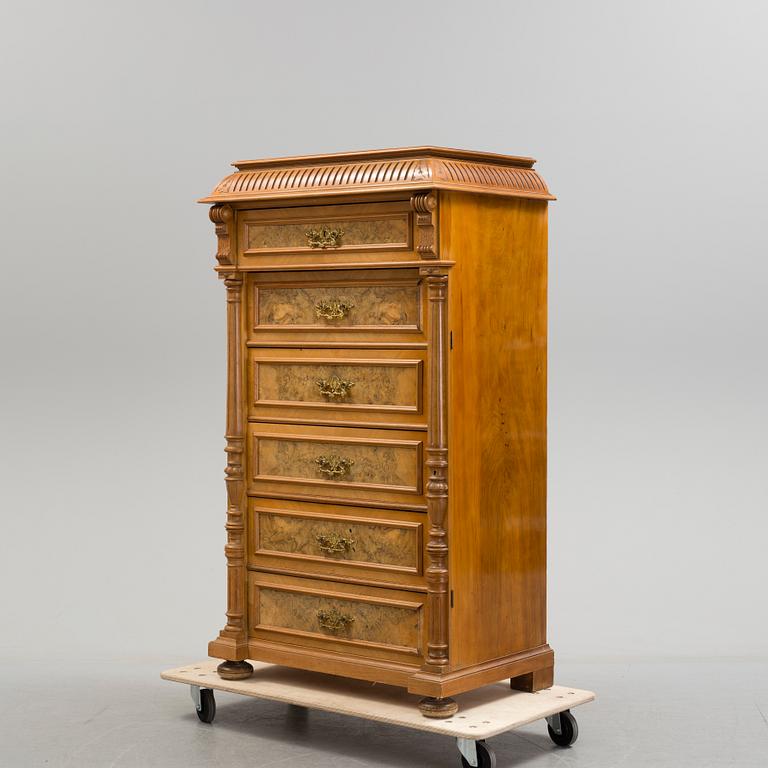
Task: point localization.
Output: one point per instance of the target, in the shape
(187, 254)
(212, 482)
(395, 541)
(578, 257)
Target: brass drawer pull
(335, 542)
(334, 620)
(333, 466)
(335, 387)
(324, 237)
(333, 309)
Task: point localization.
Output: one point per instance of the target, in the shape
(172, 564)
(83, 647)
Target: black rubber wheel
(486, 757)
(207, 710)
(569, 730)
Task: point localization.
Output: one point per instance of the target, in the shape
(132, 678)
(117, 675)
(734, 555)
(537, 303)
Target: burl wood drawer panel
(326, 234)
(330, 463)
(382, 546)
(337, 385)
(358, 306)
(351, 619)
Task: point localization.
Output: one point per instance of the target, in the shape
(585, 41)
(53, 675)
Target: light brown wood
(362, 620)
(425, 206)
(359, 542)
(314, 659)
(337, 386)
(437, 476)
(232, 642)
(409, 169)
(373, 305)
(223, 217)
(337, 541)
(497, 424)
(336, 234)
(533, 681)
(467, 678)
(340, 463)
(391, 554)
(378, 226)
(386, 425)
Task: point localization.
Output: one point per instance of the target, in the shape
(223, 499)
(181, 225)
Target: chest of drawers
(386, 418)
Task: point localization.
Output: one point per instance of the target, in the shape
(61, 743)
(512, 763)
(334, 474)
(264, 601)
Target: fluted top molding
(381, 170)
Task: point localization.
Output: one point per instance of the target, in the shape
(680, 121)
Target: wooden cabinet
(386, 418)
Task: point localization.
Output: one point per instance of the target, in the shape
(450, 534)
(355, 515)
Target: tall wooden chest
(386, 418)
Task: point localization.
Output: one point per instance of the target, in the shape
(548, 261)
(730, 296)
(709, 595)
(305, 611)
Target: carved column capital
(223, 217)
(233, 281)
(424, 205)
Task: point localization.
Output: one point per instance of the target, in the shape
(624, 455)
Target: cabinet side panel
(497, 424)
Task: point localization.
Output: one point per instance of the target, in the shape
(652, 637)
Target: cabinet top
(381, 170)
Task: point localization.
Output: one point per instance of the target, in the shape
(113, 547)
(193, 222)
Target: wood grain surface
(358, 231)
(376, 306)
(354, 232)
(497, 424)
(378, 171)
(382, 623)
(382, 464)
(388, 464)
(388, 546)
(384, 387)
(361, 542)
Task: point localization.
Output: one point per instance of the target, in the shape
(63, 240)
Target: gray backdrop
(649, 122)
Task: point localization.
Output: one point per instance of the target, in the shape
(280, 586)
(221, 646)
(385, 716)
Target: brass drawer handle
(324, 237)
(335, 387)
(333, 309)
(333, 466)
(334, 620)
(335, 542)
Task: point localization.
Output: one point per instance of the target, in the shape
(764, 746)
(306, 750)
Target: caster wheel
(569, 730)
(486, 757)
(207, 710)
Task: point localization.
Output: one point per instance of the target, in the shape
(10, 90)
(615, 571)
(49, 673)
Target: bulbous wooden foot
(432, 707)
(234, 670)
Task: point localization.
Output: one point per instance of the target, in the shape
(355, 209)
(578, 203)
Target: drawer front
(374, 545)
(337, 385)
(323, 233)
(373, 304)
(366, 621)
(337, 462)
(356, 541)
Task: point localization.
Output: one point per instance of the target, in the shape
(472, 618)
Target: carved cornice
(394, 170)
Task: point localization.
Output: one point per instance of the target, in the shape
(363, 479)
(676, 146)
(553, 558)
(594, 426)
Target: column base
(234, 670)
(432, 707)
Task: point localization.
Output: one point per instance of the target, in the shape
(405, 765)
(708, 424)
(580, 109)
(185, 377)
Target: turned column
(437, 489)
(232, 642)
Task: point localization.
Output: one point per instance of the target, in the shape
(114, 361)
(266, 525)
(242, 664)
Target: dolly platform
(483, 713)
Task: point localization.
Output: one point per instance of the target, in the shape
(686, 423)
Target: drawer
(363, 621)
(352, 305)
(337, 385)
(325, 540)
(337, 463)
(326, 233)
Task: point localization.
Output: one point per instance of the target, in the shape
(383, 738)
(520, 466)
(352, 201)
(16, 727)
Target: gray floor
(120, 715)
